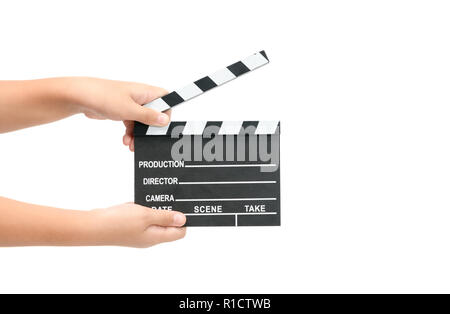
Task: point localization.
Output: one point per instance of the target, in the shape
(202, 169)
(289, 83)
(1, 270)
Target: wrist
(92, 230)
(75, 228)
(59, 92)
(69, 89)
(85, 94)
(99, 230)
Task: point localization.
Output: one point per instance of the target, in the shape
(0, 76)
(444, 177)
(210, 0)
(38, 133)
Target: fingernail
(178, 219)
(163, 119)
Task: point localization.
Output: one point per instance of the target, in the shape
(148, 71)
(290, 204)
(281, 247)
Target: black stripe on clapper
(140, 129)
(173, 99)
(205, 83)
(173, 125)
(208, 126)
(246, 124)
(238, 68)
(264, 54)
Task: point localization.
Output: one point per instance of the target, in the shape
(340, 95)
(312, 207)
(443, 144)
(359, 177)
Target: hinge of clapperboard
(200, 86)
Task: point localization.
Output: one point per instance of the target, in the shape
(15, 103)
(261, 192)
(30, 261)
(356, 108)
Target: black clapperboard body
(219, 173)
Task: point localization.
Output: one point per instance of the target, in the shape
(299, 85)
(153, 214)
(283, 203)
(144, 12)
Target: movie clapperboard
(218, 173)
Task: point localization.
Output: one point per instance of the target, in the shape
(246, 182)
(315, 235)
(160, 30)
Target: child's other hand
(119, 101)
(137, 226)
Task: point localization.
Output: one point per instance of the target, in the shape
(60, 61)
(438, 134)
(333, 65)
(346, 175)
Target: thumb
(165, 218)
(149, 116)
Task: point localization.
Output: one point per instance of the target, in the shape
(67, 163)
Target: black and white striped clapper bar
(219, 173)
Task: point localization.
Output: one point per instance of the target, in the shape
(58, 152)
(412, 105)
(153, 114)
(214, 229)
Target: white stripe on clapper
(189, 91)
(157, 130)
(230, 127)
(266, 127)
(255, 61)
(158, 105)
(194, 127)
(222, 76)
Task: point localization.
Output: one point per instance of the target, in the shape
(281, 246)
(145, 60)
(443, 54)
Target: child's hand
(23, 224)
(117, 100)
(137, 226)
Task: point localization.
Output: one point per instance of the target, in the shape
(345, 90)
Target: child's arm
(131, 225)
(29, 103)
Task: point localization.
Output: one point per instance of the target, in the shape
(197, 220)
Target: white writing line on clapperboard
(230, 166)
(170, 198)
(219, 214)
(230, 182)
(180, 164)
(174, 181)
(223, 199)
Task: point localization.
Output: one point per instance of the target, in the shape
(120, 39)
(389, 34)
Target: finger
(129, 127)
(166, 218)
(132, 145)
(143, 94)
(148, 116)
(160, 234)
(126, 140)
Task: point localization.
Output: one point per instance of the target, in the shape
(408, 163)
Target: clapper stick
(200, 86)
(209, 82)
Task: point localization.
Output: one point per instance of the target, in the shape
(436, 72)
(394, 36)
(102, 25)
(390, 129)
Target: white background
(361, 88)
